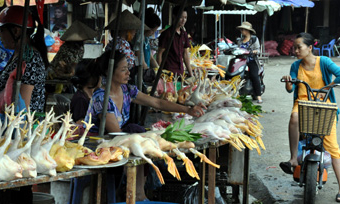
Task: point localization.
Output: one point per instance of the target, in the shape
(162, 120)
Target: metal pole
(141, 56)
(165, 55)
(246, 177)
(202, 28)
(306, 23)
(219, 28)
(106, 22)
(216, 55)
(265, 15)
(110, 71)
(17, 84)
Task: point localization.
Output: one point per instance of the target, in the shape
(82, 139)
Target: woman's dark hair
(308, 39)
(102, 62)
(151, 19)
(83, 76)
(175, 10)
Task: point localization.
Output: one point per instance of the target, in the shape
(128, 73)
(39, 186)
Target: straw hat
(246, 25)
(78, 31)
(128, 22)
(204, 47)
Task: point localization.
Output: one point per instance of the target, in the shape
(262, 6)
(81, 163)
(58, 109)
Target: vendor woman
(118, 110)
(122, 94)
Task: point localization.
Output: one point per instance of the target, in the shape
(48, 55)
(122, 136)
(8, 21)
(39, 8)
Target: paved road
(268, 183)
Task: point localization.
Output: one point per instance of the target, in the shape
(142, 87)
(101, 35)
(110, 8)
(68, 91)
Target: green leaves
(178, 132)
(248, 106)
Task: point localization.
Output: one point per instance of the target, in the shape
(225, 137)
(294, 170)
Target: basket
(316, 117)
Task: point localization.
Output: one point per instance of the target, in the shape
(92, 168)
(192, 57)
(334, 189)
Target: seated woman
(85, 84)
(121, 96)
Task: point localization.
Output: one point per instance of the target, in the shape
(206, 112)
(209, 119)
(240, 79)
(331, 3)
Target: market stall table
(60, 176)
(234, 155)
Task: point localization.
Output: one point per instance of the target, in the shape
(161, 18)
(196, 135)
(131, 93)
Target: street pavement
(268, 183)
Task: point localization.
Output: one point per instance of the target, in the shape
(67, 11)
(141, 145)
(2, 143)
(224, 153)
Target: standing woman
(249, 40)
(33, 80)
(317, 72)
(35, 55)
(127, 30)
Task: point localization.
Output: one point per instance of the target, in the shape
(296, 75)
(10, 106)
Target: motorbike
(315, 122)
(234, 59)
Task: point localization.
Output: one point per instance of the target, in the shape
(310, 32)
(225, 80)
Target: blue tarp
(296, 3)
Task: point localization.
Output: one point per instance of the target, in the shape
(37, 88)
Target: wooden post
(212, 175)
(131, 173)
(99, 188)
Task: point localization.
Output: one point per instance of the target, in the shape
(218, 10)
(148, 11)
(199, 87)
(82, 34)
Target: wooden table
(60, 176)
(237, 161)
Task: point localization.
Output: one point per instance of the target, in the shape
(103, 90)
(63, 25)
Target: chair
(328, 47)
(63, 104)
(317, 49)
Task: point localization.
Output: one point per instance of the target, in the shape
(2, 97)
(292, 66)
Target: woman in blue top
(247, 42)
(121, 96)
(317, 72)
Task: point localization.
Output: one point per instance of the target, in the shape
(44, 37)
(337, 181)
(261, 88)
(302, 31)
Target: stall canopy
(269, 6)
(296, 3)
(32, 2)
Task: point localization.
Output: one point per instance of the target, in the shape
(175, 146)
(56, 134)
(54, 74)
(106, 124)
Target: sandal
(287, 168)
(337, 198)
(259, 101)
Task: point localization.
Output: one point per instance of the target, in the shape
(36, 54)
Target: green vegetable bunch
(180, 133)
(248, 106)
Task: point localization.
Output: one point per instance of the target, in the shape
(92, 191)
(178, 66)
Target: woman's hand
(289, 84)
(287, 78)
(197, 111)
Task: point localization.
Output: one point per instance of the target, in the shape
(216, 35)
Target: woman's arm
(256, 46)
(153, 62)
(111, 124)
(334, 69)
(160, 55)
(164, 105)
(145, 66)
(26, 93)
(186, 57)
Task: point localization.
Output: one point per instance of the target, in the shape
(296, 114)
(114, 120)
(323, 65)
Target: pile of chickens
(153, 145)
(26, 150)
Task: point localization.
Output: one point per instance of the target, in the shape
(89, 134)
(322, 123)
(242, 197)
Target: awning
(296, 3)
(269, 6)
(32, 2)
(231, 12)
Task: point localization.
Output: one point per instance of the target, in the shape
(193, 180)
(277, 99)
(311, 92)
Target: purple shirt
(96, 106)
(174, 61)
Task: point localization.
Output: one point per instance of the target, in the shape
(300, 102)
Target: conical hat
(204, 47)
(128, 22)
(78, 31)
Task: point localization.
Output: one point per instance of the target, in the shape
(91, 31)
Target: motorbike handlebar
(314, 92)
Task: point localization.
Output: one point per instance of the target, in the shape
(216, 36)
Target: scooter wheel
(310, 183)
